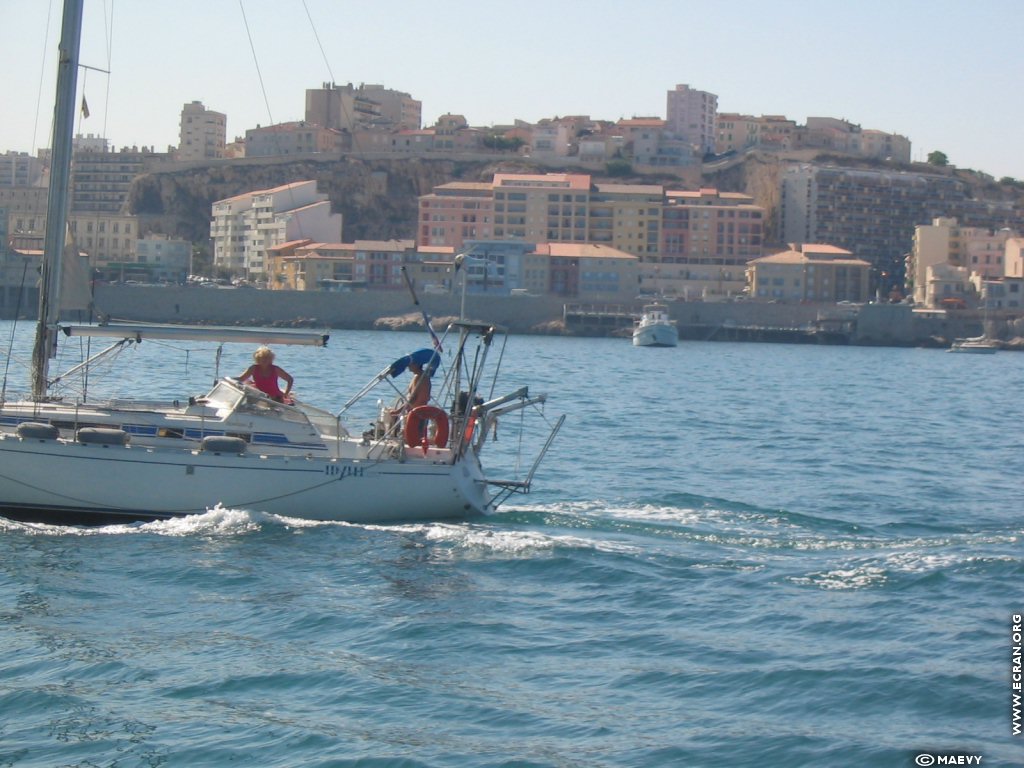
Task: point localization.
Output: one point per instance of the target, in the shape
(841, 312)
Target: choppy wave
(738, 578)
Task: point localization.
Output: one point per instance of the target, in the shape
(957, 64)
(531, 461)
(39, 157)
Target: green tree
(618, 168)
(502, 144)
(938, 158)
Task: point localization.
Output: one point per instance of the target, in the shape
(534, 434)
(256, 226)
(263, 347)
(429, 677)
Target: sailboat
(86, 462)
(978, 345)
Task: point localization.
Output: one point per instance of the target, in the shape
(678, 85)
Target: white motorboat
(72, 460)
(654, 328)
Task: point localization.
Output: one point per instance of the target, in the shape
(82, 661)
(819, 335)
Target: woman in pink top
(265, 374)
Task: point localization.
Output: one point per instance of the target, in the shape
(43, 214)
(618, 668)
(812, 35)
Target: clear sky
(944, 73)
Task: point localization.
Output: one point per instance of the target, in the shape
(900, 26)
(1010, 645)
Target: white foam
(859, 577)
(216, 521)
(469, 538)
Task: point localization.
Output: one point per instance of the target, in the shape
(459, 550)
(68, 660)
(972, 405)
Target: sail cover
(75, 292)
(428, 359)
(200, 333)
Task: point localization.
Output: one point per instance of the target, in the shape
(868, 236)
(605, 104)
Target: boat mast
(57, 201)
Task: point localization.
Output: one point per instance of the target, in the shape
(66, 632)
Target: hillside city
(695, 205)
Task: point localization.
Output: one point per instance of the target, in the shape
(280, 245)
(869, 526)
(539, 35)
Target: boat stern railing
(508, 487)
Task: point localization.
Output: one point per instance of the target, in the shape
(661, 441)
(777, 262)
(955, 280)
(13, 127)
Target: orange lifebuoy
(414, 426)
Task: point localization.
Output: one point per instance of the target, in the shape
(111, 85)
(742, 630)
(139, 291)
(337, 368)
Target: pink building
(454, 213)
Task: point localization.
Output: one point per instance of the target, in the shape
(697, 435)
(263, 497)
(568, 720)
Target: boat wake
(693, 532)
(217, 521)
(793, 548)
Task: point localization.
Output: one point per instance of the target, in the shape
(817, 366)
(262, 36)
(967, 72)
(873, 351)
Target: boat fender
(414, 425)
(102, 436)
(218, 444)
(35, 430)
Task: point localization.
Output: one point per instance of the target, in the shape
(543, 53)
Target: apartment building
(1007, 293)
(634, 213)
(247, 226)
(303, 265)
(340, 108)
(105, 237)
(552, 139)
(202, 133)
(447, 131)
(346, 107)
(365, 264)
(157, 259)
(830, 133)
(874, 212)
(20, 169)
(946, 285)
(166, 259)
(1014, 259)
(541, 207)
(581, 271)
(810, 273)
(101, 180)
(647, 141)
(569, 208)
(736, 132)
(707, 239)
(934, 244)
(410, 142)
(984, 253)
(885, 146)
(454, 213)
(687, 243)
(397, 108)
(25, 208)
(432, 269)
(283, 139)
(691, 115)
(489, 266)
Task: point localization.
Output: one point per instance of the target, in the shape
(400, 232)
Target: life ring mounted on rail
(415, 427)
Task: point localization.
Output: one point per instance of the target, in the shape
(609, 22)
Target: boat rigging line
(14, 327)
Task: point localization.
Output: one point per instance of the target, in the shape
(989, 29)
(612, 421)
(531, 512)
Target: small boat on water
(69, 459)
(978, 345)
(654, 328)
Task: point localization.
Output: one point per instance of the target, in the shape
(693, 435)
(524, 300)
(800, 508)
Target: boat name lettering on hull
(341, 473)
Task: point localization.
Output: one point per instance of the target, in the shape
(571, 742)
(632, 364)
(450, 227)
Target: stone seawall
(358, 310)
(873, 324)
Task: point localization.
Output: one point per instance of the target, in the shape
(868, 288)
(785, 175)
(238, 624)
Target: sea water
(734, 555)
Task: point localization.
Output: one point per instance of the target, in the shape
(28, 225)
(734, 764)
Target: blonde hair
(263, 352)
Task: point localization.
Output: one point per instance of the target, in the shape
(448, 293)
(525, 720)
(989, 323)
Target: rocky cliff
(378, 197)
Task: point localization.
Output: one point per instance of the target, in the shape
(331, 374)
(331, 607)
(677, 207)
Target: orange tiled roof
(582, 250)
(290, 244)
(571, 180)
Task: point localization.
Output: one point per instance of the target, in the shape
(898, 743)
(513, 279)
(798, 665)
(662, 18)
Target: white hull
(655, 329)
(974, 346)
(234, 447)
(656, 335)
(62, 480)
